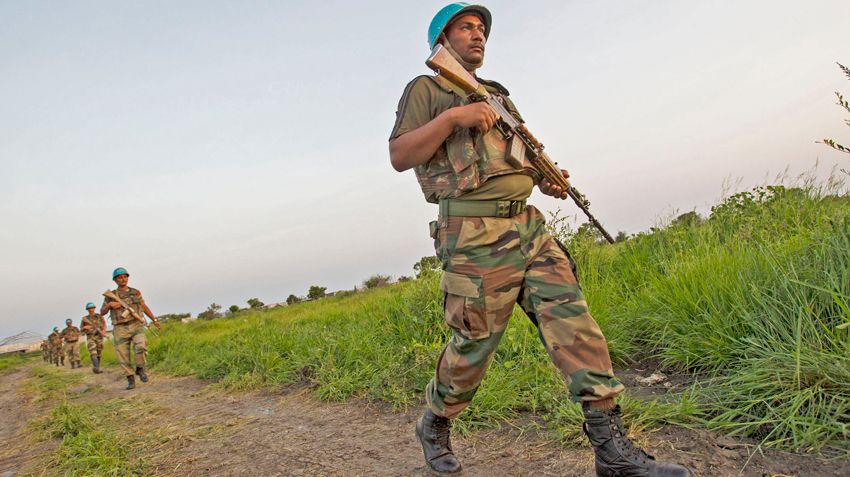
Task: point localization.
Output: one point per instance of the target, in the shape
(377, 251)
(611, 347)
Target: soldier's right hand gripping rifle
(445, 65)
(128, 310)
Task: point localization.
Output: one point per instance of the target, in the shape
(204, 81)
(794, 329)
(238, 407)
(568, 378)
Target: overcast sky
(227, 150)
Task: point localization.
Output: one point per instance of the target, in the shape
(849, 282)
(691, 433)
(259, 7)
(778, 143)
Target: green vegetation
(97, 438)
(90, 444)
(753, 302)
(10, 362)
(50, 382)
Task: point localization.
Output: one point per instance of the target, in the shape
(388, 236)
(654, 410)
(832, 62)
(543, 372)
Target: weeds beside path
(59, 421)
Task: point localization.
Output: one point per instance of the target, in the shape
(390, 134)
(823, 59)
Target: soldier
(126, 328)
(54, 342)
(45, 351)
(71, 335)
(496, 252)
(94, 326)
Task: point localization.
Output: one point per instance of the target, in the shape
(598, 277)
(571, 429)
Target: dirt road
(202, 430)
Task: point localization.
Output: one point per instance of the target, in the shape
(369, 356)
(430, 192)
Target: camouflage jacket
(70, 334)
(54, 339)
(94, 323)
(467, 158)
(131, 297)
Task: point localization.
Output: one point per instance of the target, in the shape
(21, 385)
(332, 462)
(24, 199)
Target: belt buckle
(517, 207)
(504, 208)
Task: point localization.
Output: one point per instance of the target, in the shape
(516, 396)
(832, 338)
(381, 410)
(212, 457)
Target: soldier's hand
(475, 115)
(156, 323)
(549, 188)
(114, 305)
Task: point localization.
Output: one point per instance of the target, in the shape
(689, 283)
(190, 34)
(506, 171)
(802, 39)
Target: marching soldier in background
(45, 351)
(128, 326)
(94, 326)
(71, 336)
(54, 343)
(496, 252)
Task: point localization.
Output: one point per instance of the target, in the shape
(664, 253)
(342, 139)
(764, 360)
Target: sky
(222, 151)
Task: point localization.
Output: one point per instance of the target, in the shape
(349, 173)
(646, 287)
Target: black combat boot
(433, 433)
(142, 375)
(95, 362)
(131, 382)
(616, 455)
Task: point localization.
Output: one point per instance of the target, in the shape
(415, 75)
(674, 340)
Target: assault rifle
(127, 309)
(522, 142)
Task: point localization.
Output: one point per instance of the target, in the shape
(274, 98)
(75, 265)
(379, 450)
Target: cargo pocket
(464, 305)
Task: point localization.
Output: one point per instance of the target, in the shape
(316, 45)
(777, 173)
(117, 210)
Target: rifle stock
(445, 65)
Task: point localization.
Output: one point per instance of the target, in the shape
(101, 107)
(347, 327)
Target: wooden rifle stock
(445, 65)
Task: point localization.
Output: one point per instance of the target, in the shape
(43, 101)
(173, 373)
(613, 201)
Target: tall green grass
(753, 302)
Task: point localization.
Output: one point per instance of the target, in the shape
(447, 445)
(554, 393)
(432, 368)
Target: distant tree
(426, 265)
(173, 316)
(212, 312)
(233, 309)
(377, 281)
(255, 303)
(292, 299)
(404, 278)
(315, 292)
(621, 237)
(688, 219)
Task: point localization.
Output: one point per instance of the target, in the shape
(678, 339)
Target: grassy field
(753, 302)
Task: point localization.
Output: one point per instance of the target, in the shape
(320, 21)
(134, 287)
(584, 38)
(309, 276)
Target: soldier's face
(122, 280)
(90, 310)
(466, 35)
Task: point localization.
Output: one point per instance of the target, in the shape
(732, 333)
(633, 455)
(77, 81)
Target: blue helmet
(90, 305)
(55, 328)
(119, 271)
(449, 12)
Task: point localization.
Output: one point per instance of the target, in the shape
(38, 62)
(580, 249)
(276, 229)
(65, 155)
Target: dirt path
(211, 432)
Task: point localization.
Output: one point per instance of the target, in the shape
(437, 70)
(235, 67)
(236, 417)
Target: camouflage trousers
(122, 337)
(72, 351)
(55, 354)
(94, 343)
(491, 263)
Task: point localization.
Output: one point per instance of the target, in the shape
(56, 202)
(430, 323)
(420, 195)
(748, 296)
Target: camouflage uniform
(492, 262)
(127, 330)
(45, 351)
(92, 326)
(71, 336)
(54, 342)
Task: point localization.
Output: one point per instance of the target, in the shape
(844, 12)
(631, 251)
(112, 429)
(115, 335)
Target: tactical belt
(481, 208)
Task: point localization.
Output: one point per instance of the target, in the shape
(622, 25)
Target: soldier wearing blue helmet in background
(495, 256)
(94, 326)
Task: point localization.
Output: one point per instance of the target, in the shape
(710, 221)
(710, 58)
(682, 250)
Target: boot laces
(630, 450)
(441, 430)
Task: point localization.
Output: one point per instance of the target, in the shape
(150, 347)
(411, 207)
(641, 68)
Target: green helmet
(119, 271)
(449, 12)
(69, 321)
(90, 305)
